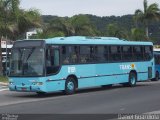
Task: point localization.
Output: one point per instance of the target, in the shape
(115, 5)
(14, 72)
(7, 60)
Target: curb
(2, 83)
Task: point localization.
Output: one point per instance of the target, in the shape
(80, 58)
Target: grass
(3, 79)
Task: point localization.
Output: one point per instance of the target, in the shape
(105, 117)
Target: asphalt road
(144, 98)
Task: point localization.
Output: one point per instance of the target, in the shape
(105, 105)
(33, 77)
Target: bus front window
(27, 62)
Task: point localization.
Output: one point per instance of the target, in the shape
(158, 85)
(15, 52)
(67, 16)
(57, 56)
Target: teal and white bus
(69, 63)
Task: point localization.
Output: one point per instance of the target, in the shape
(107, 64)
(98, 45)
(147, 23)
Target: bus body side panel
(143, 70)
(110, 73)
(157, 62)
(88, 75)
(157, 69)
(84, 74)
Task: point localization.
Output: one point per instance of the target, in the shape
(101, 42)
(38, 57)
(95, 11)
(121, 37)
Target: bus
(157, 66)
(71, 63)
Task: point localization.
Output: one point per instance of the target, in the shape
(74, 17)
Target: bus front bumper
(31, 88)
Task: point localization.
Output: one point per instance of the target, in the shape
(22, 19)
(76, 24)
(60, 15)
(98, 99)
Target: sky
(95, 7)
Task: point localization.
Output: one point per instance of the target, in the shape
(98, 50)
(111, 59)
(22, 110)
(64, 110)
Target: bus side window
(84, 54)
(156, 59)
(52, 60)
(148, 52)
(74, 54)
(115, 53)
(127, 53)
(65, 58)
(138, 53)
(69, 54)
(48, 61)
(56, 57)
(101, 54)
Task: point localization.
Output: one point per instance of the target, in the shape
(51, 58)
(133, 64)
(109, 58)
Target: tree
(137, 34)
(113, 30)
(28, 20)
(151, 12)
(58, 27)
(62, 25)
(9, 15)
(14, 22)
(15, 9)
(7, 9)
(83, 26)
(79, 25)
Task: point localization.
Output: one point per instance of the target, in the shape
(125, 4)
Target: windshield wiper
(29, 55)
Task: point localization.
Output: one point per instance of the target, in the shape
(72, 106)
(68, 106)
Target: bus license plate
(24, 89)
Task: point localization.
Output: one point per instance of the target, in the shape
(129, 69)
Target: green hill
(125, 23)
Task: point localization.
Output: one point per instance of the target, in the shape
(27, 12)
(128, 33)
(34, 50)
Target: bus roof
(93, 40)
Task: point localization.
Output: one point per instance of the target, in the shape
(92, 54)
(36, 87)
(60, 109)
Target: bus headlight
(11, 83)
(37, 83)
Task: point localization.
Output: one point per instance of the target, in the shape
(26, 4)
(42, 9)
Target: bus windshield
(27, 62)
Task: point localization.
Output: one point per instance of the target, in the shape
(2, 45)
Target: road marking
(4, 89)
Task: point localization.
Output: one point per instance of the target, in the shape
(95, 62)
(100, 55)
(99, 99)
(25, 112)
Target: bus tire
(70, 86)
(132, 80)
(156, 77)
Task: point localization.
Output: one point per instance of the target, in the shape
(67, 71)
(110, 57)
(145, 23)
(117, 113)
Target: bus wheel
(70, 86)
(132, 79)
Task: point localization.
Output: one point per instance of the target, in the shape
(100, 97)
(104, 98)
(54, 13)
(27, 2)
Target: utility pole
(6, 65)
(6, 58)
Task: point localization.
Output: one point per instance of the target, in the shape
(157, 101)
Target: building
(6, 46)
